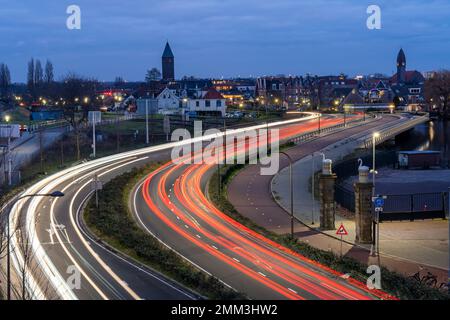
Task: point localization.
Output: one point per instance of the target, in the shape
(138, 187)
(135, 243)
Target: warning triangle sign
(341, 231)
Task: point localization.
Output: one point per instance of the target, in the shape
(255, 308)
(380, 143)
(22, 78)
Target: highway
(170, 204)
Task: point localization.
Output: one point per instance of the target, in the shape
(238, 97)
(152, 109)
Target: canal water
(433, 136)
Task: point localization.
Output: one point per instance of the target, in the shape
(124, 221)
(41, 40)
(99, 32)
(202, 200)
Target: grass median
(114, 224)
(391, 282)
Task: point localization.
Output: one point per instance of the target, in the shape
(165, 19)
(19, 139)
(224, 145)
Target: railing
(311, 134)
(393, 130)
(397, 207)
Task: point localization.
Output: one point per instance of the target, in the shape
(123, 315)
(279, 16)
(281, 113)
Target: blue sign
(379, 202)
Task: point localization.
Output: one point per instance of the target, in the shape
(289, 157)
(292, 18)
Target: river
(434, 135)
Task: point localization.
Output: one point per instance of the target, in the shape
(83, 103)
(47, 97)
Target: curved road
(170, 204)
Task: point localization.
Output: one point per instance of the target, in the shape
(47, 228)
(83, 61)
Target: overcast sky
(215, 38)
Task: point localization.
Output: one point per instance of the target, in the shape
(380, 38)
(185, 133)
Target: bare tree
(49, 72)
(25, 288)
(5, 81)
(153, 75)
(77, 92)
(437, 92)
(30, 78)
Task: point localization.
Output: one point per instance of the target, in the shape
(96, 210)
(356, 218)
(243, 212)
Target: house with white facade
(168, 102)
(206, 103)
(165, 102)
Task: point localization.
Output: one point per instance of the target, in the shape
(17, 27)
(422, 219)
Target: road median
(113, 223)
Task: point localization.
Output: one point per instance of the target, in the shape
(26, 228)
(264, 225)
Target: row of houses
(170, 101)
(404, 89)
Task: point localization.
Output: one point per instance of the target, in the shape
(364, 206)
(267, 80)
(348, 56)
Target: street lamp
(320, 115)
(313, 187)
(8, 119)
(291, 187)
(375, 136)
(54, 194)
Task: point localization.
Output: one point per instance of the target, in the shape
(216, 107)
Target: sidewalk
(23, 152)
(419, 242)
(251, 195)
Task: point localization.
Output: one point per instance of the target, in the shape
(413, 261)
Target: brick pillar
(363, 212)
(327, 204)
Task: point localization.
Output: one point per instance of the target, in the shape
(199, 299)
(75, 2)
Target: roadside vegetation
(114, 224)
(391, 282)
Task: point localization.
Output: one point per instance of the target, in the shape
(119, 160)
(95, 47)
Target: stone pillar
(363, 208)
(327, 182)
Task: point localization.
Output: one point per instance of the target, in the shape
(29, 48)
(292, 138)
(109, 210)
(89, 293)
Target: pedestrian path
(422, 242)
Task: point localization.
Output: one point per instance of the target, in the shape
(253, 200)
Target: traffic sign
(379, 202)
(341, 231)
(378, 209)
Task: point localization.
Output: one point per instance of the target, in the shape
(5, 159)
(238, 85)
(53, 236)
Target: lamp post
(375, 136)
(313, 186)
(8, 119)
(147, 139)
(54, 194)
(374, 172)
(320, 115)
(291, 187)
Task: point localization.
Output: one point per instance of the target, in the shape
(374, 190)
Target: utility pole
(291, 187)
(10, 171)
(319, 123)
(96, 189)
(61, 145)
(219, 187)
(41, 150)
(225, 141)
(94, 120)
(147, 140)
(313, 186)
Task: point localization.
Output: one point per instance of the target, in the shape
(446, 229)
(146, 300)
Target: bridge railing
(393, 130)
(312, 134)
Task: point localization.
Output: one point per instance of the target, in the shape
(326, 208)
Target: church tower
(168, 64)
(401, 67)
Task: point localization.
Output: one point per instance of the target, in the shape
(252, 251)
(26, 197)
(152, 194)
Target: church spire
(168, 64)
(167, 51)
(401, 58)
(401, 67)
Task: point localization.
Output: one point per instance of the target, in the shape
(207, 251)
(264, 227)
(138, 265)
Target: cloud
(224, 37)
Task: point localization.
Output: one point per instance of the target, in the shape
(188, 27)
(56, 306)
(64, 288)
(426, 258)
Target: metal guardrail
(312, 134)
(393, 130)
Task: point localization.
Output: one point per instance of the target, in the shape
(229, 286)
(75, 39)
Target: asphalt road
(170, 204)
(68, 247)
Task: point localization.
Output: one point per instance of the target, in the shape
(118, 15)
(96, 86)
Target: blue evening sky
(215, 38)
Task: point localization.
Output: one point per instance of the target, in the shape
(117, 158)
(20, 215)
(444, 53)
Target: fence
(418, 206)
(397, 206)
